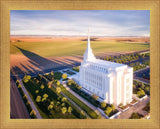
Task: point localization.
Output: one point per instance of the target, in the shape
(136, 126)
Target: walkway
(69, 100)
(83, 100)
(29, 98)
(135, 108)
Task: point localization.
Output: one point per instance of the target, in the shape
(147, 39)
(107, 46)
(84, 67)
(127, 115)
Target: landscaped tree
(147, 90)
(33, 114)
(64, 76)
(103, 105)
(19, 86)
(64, 110)
(64, 99)
(82, 114)
(37, 91)
(42, 86)
(45, 95)
(57, 105)
(49, 84)
(44, 99)
(113, 107)
(28, 103)
(58, 83)
(140, 93)
(17, 82)
(143, 85)
(108, 111)
(26, 78)
(58, 90)
(25, 97)
(70, 110)
(52, 103)
(52, 73)
(50, 107)
(63, 104)
(38, 99)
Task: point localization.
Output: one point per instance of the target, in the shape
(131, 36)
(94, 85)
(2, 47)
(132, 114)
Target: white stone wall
(114, 87)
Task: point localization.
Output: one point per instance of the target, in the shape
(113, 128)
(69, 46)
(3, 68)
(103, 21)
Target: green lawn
(33, 85)
(68, 48)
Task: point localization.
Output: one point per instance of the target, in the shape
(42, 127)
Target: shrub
(113, 107)
(147, 107)
(103, 105)
(108, 111)
(135, 116)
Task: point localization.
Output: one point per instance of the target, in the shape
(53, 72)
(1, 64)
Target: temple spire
(88, 55)
(88, 43)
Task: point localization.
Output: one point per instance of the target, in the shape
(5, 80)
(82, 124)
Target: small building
(111, 81)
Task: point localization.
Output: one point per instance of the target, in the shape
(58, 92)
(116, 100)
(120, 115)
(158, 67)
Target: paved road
(140, 78)
(17, 107)
(70, 100)
(29, 98)
(136, 108)
(145, 81)
(135, 72)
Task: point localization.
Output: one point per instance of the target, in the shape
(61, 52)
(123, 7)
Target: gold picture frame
(7, 5)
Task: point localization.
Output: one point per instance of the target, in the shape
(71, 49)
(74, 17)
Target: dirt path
(29, 99)
(17, 107)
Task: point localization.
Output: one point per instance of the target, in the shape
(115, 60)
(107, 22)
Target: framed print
(79, 64)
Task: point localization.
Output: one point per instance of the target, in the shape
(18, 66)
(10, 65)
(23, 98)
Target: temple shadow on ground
(37, 64)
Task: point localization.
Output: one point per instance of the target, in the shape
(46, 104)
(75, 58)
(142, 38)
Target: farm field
(73, 48)
(30, 54)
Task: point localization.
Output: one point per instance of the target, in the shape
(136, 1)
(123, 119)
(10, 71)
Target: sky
(77, 22)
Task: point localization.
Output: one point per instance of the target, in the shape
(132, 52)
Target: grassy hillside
(68, 48)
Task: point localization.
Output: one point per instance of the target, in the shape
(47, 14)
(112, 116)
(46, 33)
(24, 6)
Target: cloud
(101, 23)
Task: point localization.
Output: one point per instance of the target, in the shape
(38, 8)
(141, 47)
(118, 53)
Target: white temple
(110, 81)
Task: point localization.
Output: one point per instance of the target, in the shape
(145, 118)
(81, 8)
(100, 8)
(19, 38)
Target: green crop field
(71, 48)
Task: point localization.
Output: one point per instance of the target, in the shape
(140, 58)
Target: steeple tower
(88, 55)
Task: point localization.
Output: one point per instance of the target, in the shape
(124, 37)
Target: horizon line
(76, 36)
